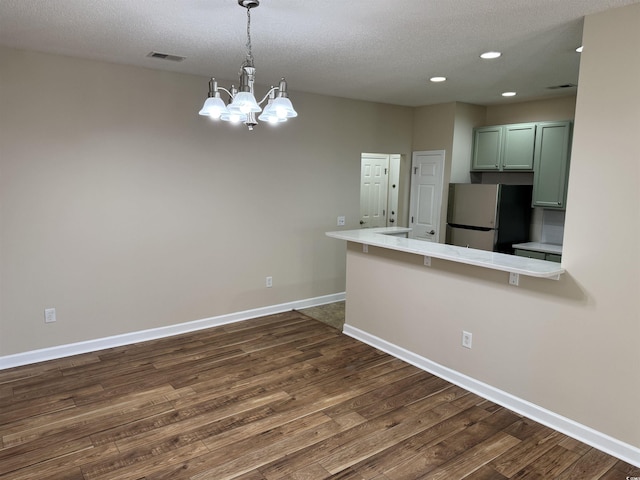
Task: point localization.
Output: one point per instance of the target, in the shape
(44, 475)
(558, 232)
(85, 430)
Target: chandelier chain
(249, 61)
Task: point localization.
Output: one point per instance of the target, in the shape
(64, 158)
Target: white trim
(583, 433)
(60, 351)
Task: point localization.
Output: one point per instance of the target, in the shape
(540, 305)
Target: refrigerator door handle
(467, 227)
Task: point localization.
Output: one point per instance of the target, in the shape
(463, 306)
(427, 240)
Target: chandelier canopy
(243, 107)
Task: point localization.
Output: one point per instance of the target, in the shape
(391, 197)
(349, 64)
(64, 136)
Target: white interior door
(374, 173)
(427, 169)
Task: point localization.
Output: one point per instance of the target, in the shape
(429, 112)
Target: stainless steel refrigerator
(488, 217)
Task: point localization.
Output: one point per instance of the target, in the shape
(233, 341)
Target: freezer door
(464, 237)
(473, 204)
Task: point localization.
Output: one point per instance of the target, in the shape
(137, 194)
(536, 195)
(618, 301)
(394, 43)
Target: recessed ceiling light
(508, 94)
(489, 55)
(579, 49)
(438, 79)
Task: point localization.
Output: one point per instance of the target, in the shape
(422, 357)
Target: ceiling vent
(566, 85)
(166, 56)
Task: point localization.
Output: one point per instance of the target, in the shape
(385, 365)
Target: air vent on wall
(566, 85)
(166, 56)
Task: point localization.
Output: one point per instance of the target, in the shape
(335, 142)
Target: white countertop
(383, 237)
(540, 247)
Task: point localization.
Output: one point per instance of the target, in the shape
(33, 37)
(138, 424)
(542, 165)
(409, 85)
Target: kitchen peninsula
(453, 311)
(390, 238)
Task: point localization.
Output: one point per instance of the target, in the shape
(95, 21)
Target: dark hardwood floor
(280, 397)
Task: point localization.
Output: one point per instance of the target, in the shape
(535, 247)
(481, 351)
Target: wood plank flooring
(280, 397)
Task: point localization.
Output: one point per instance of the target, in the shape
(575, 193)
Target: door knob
(362, 222)
(391, 220)
(431, 232)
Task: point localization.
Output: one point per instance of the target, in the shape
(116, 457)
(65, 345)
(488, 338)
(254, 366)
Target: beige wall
(551, 109)
(467, 117)
(570, 346)
(433, 127)
(125, 210)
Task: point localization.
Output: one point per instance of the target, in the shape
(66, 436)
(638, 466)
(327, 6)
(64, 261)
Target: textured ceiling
(377, 50)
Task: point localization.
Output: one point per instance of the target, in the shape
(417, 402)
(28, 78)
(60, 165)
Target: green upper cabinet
(551, 164)
(487, 148)
(504, 147)
(518, 145)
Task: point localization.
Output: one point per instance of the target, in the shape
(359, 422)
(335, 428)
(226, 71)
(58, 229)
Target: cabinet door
(530, 254)
(487, 148)
(551, 164)
(519, 142)
(553, 257)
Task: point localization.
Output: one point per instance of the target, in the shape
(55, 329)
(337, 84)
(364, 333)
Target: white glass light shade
(273, 119)
(245, 102)
(213, 107)
(283, 108)
(234, 115)
(269, 114)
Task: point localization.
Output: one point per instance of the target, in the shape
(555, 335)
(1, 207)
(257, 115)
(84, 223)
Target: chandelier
(243, 107)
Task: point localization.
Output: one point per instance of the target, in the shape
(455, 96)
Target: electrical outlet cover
(467, 339)
(49, 315)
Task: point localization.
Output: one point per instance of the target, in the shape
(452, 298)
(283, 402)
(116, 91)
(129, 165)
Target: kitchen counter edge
(388, 238)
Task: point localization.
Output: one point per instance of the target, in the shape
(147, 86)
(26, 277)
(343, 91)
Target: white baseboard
(588, 435)
(52, 353)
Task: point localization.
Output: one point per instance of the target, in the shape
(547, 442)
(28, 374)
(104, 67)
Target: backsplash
(552, 226)
(547, 226)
